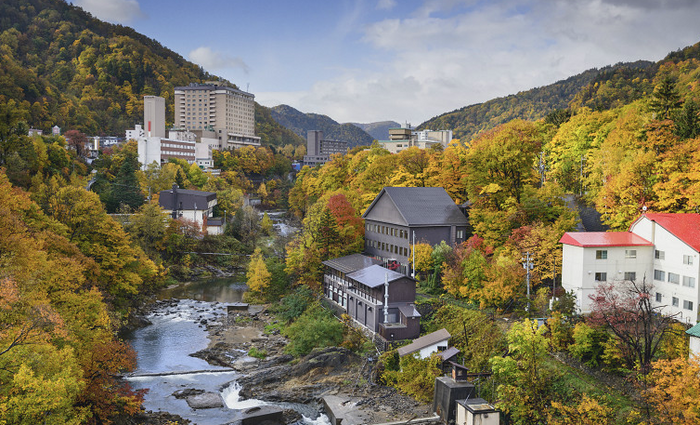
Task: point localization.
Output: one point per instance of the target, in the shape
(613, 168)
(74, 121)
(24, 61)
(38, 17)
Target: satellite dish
(644, 208)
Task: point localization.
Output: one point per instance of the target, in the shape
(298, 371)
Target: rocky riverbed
(278, 377)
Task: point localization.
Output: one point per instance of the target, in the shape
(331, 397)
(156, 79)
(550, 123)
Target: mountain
(300, 123)
(378, 130)
(60, 66)
(597, 89)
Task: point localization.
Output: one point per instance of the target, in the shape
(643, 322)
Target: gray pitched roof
(423, 206)
(374, 275)
(185, 199)
(424, 341)
(449, 353)
(351, 263)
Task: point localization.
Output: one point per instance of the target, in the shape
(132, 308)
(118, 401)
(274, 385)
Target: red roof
(685, 227)
(593, 239)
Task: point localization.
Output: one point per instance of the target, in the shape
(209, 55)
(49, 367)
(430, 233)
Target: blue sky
(407, 61)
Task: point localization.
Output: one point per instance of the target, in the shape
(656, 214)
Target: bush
(416, 377)
(315, 328)
(589, 344)
(293, 305)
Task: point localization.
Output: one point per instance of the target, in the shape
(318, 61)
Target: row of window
(603, 276)
(687, 305)
(387, 230)
(176, 153)
(674, 278)
(602, 254)
(391, 248)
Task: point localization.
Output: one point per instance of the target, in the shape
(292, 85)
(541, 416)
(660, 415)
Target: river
(163, 349)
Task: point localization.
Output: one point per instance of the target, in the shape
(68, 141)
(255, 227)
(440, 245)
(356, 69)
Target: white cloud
(211, 60)
(452, 53)
(118, 11)
(386, 4)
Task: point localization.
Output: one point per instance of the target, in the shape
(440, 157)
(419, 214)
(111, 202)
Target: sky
(404, 60)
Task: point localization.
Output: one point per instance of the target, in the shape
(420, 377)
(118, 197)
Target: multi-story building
(319, 150)
(213, 106)
(400, 216)
(379, 299)
(403, 138)
(659, 248)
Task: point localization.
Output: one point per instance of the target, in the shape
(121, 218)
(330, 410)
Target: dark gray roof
(351, 263)
(185, 199)
(374, 276)
(218, 221)
(449, 353)
(424, 341)
(423, 206)
(409, 310)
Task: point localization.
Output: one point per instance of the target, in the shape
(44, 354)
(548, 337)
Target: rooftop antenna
(247, 87)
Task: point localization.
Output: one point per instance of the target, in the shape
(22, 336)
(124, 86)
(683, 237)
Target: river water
(163, 349)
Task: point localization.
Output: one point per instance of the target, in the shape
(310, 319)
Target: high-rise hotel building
(211, 107)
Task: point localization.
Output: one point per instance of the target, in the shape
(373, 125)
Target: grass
(576, 381)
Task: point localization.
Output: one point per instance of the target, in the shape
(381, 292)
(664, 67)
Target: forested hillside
(300, 123)
(60, 66)
(596, 88)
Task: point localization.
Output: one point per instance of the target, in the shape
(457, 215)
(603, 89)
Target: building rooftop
(685, 227)
(427, 206)
(185, 199)
(351, 263)
(603, 239)
(424, 341)
(694, 331)
(375, 275)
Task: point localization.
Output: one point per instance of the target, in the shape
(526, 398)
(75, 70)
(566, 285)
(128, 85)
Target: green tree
(416, 377)
(525, 384)
(665, 99)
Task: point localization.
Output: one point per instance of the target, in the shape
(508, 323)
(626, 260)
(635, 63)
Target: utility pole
(527, 265)
(414, 254)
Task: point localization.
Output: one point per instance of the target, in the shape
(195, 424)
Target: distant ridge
(300, 123)
(378, 130)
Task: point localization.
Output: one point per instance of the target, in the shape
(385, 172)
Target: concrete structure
(447, 392)
(426, 345)
(476, 411)
(403, 138)
(136, 133)
(319, 150)
(661, 248)
(225, 111)
(694, 344)
(194, 205)
(399, 212)
(376, 298)
(159, 150)
(154, 116)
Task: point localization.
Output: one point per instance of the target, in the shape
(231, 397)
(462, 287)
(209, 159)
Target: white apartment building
(212, 106)
(661, 248)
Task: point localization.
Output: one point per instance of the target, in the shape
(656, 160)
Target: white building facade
(661, 248)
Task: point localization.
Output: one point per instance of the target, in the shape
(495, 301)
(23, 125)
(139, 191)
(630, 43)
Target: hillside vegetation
(60, 66)
(597, 89)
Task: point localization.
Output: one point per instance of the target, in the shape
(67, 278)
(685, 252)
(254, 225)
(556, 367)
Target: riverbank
(279, 377)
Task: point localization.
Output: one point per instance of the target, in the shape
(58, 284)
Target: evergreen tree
(688, 120)
(665, 98)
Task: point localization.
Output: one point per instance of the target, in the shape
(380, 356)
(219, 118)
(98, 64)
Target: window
(658, 297)
(674, 278)
(630, 253)
(659, 255)
(460, 234)
(674, 301)
(601, 277)
(659, 275)
(688, 259)
(601, 254)
(631, 276)
(688, 305)
(689, 281)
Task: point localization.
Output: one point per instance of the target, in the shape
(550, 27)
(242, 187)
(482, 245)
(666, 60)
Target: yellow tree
(423, 254)
(258, 276)
(675, 390)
